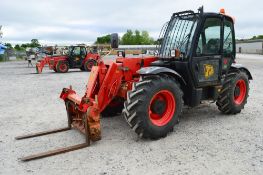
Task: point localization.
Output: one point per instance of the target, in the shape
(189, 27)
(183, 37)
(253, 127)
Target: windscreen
(70, 49)
(177, 34)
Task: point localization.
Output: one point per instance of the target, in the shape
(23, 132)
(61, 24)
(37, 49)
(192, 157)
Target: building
(250, 46)
(138, 47)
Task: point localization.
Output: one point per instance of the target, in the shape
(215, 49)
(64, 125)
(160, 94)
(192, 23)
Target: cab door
(207, 61)
(229, 50)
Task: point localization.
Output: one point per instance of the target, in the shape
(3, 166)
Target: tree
(18, 47)
(136, 38)
(257, 37)
(127, 38)
(9, 46)
(103, 39)
(146, 39)
(25, 45)
(34, 43)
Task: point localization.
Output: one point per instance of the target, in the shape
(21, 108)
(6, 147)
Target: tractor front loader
(195, 63)
(78, 57)
(48, 60)
(107, 87)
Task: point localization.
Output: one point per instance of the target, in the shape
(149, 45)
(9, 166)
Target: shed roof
(249, 41)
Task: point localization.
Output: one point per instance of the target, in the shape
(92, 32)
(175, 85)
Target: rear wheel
(234, 93)
(62, 67)
(82, 68)
(153, 106)
(89, 64)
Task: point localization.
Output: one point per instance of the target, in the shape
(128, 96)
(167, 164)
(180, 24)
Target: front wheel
(54, 69)
(62, 67)
(89, 64)
(153, 106)
(234, 93)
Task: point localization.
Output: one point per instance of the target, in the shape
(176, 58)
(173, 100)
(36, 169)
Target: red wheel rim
(169, 106)
(240, 92)
(63, 67)
(90, 64)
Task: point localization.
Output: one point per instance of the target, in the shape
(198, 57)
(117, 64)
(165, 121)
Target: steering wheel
(213, 46)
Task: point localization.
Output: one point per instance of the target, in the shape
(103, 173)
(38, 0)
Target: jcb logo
(208, 70)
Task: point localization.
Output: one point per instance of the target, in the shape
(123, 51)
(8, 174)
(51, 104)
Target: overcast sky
(81, 21)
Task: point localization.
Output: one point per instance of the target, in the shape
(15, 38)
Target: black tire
(228, 102)
(113, 109)
(62, 67)
(82, 68)
(137, 107)
(89, 64)
(55, 70)
(37, 70)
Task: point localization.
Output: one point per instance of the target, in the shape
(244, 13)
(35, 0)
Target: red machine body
(106, 82)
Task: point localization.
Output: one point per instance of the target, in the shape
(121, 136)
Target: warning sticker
(208, 70)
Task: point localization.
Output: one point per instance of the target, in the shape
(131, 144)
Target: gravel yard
(204, 142)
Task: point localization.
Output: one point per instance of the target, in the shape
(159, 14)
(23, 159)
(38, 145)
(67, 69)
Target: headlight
(175, 53)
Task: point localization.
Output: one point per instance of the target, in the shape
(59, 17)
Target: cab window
(209, 39)
(76, 51)
(228, 46)
(83, 52)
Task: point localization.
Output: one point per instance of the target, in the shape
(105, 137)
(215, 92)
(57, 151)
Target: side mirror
(114, 40)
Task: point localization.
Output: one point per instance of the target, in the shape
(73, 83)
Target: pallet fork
(59, 150)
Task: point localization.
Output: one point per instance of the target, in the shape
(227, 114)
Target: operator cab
(186, 29)
(201, 48)
(77, 55)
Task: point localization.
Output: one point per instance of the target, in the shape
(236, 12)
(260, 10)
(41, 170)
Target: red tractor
(196, 62)
(78, 57)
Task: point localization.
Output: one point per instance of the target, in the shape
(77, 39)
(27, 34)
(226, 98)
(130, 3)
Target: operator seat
(212, 46)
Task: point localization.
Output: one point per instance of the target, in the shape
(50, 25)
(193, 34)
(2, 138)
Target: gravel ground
(205, 141)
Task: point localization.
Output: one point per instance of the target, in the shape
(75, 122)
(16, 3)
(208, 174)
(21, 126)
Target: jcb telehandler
(78, 57)
(196, 62)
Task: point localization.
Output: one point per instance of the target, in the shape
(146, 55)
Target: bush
(2, 58)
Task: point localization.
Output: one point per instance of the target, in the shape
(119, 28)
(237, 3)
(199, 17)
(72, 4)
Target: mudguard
(153, 70)
(242, 68)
